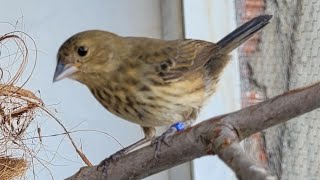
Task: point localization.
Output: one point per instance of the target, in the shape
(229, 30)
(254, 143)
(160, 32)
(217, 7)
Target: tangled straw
(17, 106)
(12, 167)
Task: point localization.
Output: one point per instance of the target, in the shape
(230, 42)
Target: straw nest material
(11, 168)
(17, 106)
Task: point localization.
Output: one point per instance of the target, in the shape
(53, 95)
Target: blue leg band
(179, 126)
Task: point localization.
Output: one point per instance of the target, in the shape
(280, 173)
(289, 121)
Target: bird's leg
(189, 117)
(166, 136)
(149, 133)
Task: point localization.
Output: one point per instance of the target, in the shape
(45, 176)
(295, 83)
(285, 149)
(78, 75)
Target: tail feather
(242, 33)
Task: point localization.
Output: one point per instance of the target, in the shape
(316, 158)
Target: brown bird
(150, 82)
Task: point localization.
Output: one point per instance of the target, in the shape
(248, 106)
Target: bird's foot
(106, 162)
(166, 137)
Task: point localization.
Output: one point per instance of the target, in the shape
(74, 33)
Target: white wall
(211, 20)
(50, 23)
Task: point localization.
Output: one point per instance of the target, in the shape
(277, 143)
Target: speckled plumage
(147, 81)
(152, 82)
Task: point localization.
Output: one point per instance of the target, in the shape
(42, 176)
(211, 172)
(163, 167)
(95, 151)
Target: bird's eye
(82, 51)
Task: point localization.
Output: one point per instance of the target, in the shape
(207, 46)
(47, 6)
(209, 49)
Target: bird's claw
(165, 138)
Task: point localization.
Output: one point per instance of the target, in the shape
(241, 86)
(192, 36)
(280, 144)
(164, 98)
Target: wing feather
(181, 57)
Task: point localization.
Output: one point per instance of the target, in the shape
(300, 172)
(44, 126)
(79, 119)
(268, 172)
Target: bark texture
(220, 135)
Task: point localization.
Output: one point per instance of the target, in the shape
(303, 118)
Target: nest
(17, 106)
(17, 110)
(11, 168)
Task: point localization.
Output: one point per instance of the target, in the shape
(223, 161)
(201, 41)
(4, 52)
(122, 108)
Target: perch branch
(219, 135)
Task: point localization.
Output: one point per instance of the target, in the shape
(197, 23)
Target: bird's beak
(64, 71)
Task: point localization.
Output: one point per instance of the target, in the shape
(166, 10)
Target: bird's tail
(242, 33)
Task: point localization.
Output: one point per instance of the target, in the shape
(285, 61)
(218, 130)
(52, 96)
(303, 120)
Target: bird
(150, 82)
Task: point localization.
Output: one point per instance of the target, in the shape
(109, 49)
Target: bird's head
(86, 53)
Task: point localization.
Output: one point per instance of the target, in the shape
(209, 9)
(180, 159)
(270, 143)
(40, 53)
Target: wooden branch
(219, 135)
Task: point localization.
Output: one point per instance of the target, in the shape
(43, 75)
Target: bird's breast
(148, 104)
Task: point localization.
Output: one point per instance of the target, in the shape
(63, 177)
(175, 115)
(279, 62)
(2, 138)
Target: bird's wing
(181, 57)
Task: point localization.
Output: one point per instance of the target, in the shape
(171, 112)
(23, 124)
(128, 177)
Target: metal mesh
(287, 58)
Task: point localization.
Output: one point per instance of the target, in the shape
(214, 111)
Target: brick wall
(250, 94)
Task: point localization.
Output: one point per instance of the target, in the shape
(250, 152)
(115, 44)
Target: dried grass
(11, 168)
(17, 106)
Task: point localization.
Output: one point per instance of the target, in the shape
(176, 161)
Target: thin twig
(82, 156)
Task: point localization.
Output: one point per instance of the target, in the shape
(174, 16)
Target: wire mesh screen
(286, 58)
